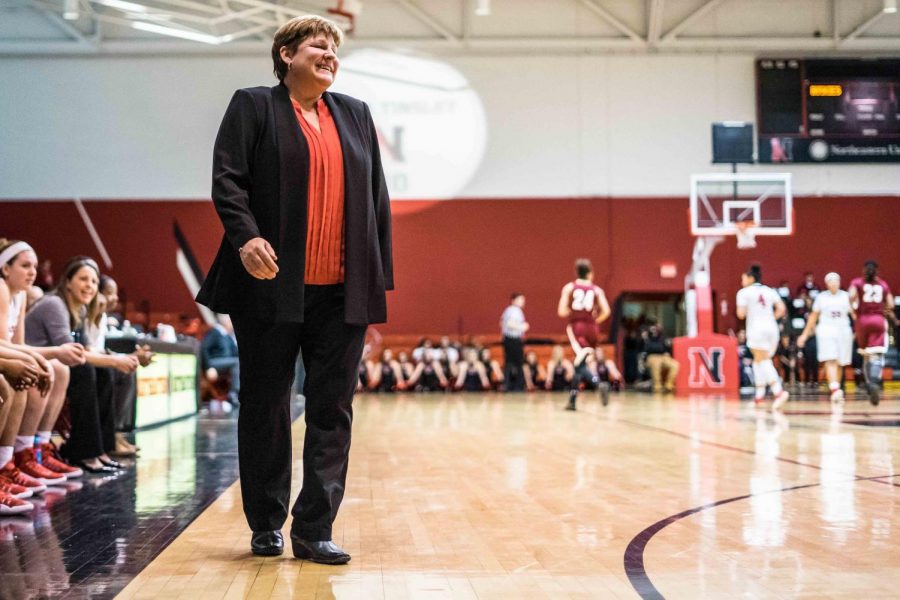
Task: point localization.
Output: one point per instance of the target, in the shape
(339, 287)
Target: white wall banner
(431, 124)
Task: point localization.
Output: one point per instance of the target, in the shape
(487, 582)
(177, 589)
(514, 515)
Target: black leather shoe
(111, 463)
(89, 469)
(267, 543)
(326, 553)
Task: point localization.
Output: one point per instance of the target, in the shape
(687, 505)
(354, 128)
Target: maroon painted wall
(457, 261)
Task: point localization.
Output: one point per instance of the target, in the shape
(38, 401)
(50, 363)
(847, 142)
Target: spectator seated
(432, 362)
(219, 362)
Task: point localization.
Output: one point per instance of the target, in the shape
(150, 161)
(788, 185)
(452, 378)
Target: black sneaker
(874, 394)
(604, 393)
(571, 404)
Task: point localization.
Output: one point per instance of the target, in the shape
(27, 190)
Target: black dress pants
(513, 363)
(331, 351)
(92, 413)
(124, 387)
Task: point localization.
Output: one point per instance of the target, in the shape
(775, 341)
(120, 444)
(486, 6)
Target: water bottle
(38, 455)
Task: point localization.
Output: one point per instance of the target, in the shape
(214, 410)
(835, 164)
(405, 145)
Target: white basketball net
(745, 234)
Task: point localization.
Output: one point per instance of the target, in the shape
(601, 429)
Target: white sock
(24, 442)
(6, 454)
(772, 377)
(45, 436)
(759, 380)
(833, 386)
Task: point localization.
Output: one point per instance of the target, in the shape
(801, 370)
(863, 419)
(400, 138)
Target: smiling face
(314, 64)
(111, 291)
(21, 271)
(82, 287)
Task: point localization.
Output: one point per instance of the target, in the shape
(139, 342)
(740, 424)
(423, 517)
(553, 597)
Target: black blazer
(259, 188)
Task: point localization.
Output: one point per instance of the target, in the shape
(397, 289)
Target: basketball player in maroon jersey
(871, 296)
(584, 304)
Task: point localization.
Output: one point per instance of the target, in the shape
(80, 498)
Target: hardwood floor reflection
(91, 536)
(512, 497)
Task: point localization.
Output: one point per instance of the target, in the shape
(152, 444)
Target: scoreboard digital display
(828, 110)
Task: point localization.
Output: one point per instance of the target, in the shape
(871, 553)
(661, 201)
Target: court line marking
(634, 553)
(732, 448)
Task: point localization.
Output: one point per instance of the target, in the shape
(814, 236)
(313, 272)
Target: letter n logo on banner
(706, 367)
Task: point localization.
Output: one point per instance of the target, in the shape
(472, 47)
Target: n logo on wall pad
(706, 367)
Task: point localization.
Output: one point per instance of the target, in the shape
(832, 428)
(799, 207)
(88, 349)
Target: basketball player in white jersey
(830, 316)
(762, 307)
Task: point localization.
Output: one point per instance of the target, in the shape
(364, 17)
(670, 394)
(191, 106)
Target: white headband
(11, 252)
(84, 262)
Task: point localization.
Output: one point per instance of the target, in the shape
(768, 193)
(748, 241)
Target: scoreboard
(828, 110)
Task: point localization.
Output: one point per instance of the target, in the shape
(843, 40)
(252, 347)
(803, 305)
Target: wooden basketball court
(499, 497)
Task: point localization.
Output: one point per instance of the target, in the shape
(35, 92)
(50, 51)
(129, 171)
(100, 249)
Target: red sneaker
(12, 474)
(10, 505)
(29, 465)
(13, 489)
(50, 460)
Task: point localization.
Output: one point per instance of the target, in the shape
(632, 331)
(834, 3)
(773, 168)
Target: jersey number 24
(584, 300)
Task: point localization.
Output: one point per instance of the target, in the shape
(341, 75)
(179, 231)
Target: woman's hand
(144, 355)
(259, 258)
(21, 374)
(71, 354)
(43, 363)
(46, 376)
(126, 363)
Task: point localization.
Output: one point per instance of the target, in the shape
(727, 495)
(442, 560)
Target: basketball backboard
(722, 201)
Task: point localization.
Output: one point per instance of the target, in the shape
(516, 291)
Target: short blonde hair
(292, 33)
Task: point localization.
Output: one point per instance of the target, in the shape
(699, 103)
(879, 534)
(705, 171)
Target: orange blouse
(325, 200)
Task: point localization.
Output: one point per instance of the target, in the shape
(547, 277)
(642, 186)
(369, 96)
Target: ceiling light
(70, 10)
(194, 36)
(890, 6)
(482, 8)
(122, 5)
(149, 17)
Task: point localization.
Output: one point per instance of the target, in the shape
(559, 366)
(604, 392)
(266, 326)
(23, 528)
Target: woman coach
(303, 267)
